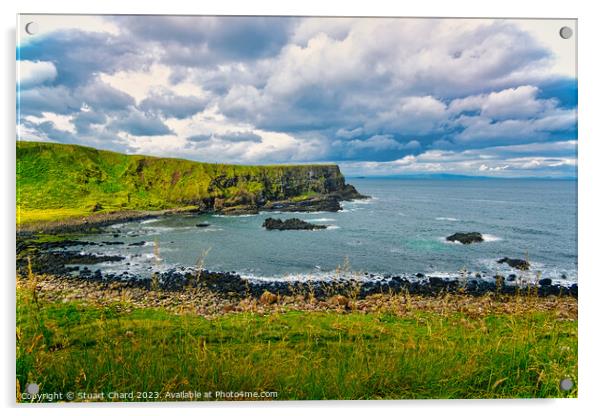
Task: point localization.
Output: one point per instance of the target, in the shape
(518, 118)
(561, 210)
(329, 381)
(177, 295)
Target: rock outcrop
(290, 224)
(466, 238)
(515, 263)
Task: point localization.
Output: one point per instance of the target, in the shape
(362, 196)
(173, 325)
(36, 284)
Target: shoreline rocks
(290, 224)
(515, 263)
(56, 257)
(466, 238)
(232, 285)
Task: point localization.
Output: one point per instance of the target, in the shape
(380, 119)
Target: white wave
(208, 229)
(321, 219)
(332, 227)
(362, 201)
(234, 216)
(446, 219)
(490, 237)
(149, 221)
(319, 276)
(446, 241)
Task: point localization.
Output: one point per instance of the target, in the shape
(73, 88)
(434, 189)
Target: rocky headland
(143, 187)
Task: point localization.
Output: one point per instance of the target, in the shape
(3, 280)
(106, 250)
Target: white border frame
(589, 194)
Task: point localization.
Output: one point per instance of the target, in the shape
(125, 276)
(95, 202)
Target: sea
(400, 230)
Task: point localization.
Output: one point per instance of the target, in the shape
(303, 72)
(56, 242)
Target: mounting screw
(566, 32)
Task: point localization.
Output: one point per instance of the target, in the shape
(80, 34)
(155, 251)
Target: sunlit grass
(29, 215)
(74, 346)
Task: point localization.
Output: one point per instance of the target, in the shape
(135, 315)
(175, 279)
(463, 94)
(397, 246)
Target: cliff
(58, 180)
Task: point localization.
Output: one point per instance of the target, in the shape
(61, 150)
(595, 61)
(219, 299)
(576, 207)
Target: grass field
(74, 346)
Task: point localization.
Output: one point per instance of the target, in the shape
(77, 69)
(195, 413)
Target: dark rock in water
(511, 277)
(290, 224)
(203, 225)
(138, 243)
(545, 282)
(419, 275)
(466, 238)
(112, 243)
(515, 263)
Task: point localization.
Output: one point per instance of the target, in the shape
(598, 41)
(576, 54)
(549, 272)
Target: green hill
(58, 181)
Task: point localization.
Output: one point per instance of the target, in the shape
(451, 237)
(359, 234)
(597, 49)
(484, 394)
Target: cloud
(58, 121)
(376, 143)
(58, 99)
(232, 137)
(485, 130)
(140, 124)
(488, 161)
(35, 73)
(385, 93)
(80, 56)
(208, 40)
(519, 102)
(166, 103)
(412, 115)
(349, 134)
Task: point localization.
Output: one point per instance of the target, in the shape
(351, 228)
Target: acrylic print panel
(283, 208)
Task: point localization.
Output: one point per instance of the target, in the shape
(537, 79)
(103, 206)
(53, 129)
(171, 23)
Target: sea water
(400, 230)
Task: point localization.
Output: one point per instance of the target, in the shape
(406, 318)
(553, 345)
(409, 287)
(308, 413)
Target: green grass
(300, 355)
(59, 181)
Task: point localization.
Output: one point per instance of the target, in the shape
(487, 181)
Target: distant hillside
(59, 180)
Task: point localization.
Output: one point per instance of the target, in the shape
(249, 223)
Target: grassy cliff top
(58, 181)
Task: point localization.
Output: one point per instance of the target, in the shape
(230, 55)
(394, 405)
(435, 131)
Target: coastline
(326, 203)
(205, 301)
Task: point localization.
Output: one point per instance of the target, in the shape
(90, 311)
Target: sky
(378, 96)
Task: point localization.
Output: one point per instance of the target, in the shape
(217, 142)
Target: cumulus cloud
(519, 102)
(208, 40)
(165, 102)
(35, 73)
(140, 124)
(472, 96)
(489, 161)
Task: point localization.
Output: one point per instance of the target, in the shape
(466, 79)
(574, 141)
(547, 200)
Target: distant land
(452, 176)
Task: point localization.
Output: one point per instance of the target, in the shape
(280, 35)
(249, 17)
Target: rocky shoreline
(201, 301)
(330, 202)
(47, 251)
(57, 259)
